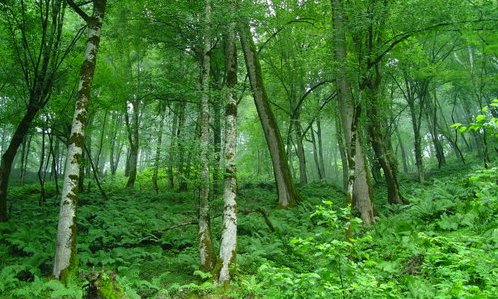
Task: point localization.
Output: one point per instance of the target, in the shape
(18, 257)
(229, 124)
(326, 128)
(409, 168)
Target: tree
(287, 192)
(228, 246)
(39, 55)
(358, 189)
(65, 253)
(205, 242)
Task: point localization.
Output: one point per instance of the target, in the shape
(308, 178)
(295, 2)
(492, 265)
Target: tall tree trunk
(65, 265)
(361, 188)
(416, 119)
(433, 123)
(182, 168)
(341, 142)
(321, 161)
(315, 154)
(132, 127)
(26, 146)
(41, 176)
(228, 246)
(287, 192)
(404, 156)
(217, 146)
(101, 144)
(370, 84)
(205, 242)
(303, 176)
(55, 157)
(382, 154)
(173, 149)
(157, 158)
(357, 189)
(115, 154)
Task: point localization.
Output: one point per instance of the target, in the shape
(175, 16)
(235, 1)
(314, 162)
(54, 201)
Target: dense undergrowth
(443, 244)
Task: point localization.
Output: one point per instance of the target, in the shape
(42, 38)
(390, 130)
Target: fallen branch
(264, 214)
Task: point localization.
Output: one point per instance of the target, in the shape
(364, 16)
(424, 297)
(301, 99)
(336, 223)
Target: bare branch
(78, 10)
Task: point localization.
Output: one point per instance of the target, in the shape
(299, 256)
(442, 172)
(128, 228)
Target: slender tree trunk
(25, 158)
(303, 176)
(358, 189)
(228, 246)
(287, 192)
(315, 154)
(361, 188)
(55, 157)
(182, 150)
(417, 138)
(205, 241)
(173, 149)
(114, 156)
(157, 158)
(101, 144)
(65, 265)
(22, 160)
(41, 178)
(341, 135)
(382, 154)
(320, 148)
(404, 156)
(132, 128)
(433, 121)
(370, 84)
(217, 147)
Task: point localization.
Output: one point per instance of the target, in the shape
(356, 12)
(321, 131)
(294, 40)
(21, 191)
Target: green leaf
(480, 118)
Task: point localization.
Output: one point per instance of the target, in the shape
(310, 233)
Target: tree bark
(315, 153)
(357, 186)
(370, 85)
(173, 148)
(181, 149)
(65, 265)
(115, 154)
(432, 111)
(228, 247)
(287, 192)
(303, 176)
(98, 162)
(217, 146)
(41, 176)
(132, 127)
(321, 161)
(205, 241)
(382, 154)
(157, 158)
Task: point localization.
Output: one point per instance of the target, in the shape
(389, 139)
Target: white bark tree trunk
(65, 254)
(205, 241)
(228, 247)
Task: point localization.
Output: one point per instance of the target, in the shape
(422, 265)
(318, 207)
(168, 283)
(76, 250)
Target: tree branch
(78, 10)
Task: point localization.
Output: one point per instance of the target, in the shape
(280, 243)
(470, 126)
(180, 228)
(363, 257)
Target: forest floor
(443, 244)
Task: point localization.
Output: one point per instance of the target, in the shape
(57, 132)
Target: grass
(443, 244)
